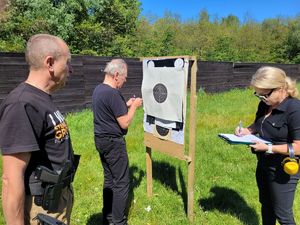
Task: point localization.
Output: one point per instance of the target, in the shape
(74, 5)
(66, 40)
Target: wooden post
(192, 139)
(149, 171)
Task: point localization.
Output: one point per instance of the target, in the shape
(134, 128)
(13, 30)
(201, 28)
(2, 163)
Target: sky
(257, 10)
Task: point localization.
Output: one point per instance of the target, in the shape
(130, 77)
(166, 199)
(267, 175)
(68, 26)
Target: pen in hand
(240, 127)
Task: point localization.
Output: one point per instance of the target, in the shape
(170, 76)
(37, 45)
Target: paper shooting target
(160, 93)
(162, 131)
(164, 97)
(164, 88)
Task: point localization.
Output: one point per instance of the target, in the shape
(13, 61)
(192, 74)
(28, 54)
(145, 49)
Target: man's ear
(49, 61)
(116, 76)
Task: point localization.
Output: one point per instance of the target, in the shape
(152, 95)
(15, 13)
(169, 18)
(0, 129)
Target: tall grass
(225, 188)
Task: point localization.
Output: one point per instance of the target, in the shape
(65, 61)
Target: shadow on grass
(136, 176)
(95, 219)
(166, 174)
(230, 202)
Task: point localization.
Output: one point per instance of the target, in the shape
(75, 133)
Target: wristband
(270, 150)
(291, 151)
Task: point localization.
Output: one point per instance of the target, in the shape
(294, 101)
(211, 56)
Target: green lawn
(225, 187)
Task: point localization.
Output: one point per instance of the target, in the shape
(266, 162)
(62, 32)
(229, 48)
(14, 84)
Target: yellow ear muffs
(290, 165)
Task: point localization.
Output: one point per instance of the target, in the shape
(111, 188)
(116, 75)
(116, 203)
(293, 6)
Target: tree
(114, 28)
(231, 21)
(158, 39)
(28, 17)
(108, 29)
(105, 27)
(293, 41)
(274, 34)
(3, 5)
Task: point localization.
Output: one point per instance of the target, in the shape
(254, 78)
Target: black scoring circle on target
(162, 131)
(160, 93)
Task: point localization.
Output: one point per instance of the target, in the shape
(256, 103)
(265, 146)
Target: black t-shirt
(283, 125)
(108, 105)
(29, 122)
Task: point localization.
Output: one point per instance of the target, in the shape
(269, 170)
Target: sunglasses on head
(263, 97)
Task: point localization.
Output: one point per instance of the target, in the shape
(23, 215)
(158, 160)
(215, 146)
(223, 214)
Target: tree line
(116, 28)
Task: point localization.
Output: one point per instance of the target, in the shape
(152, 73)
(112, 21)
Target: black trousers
(114, 160)
(276, 191)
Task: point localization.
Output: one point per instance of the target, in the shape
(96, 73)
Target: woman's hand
(259, 146)
(240, 131)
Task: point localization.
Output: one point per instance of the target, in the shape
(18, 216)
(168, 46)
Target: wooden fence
(88, 72)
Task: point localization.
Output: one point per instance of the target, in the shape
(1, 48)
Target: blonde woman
(277, 120)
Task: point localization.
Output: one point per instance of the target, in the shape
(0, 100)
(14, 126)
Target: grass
(225, 188)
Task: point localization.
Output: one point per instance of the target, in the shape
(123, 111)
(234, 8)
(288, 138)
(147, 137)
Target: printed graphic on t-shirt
(61, 129)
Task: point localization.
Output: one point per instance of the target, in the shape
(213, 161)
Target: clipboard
(244, 140)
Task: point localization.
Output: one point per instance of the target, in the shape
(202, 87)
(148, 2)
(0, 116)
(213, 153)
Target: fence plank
(88, 72)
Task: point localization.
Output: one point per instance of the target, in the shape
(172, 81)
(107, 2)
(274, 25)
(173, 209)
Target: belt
(109, 137)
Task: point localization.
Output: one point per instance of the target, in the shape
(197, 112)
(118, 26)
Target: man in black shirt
(111, 120)
(35, 135)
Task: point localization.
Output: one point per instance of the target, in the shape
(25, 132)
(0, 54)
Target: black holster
(54, 184)
(52, 196)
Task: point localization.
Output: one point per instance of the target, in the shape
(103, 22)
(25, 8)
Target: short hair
(268, 77)
(40, 46)
(116, 65)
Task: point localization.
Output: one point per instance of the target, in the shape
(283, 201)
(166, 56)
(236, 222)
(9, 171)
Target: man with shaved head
(37, 154)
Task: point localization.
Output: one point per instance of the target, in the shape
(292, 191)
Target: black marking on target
(162, 131)
(160, 93)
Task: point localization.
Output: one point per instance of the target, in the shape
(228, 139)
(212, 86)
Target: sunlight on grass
(225, 190)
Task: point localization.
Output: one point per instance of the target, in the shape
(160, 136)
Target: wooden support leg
(190, 208)
(192, 143)
(149, 171)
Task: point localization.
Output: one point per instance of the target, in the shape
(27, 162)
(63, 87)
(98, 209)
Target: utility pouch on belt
(47, 220)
